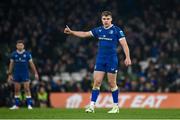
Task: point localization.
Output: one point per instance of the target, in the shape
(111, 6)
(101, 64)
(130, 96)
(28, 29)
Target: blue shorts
(21, 77)
(108, 64)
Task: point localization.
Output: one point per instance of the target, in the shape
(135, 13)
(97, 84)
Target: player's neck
(20, 51)
(107, 27)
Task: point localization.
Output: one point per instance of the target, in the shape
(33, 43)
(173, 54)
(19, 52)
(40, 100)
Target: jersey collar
(108, 27)
(20, 52)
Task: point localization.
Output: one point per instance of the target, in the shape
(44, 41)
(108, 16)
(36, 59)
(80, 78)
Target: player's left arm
(33, 67)
(126, 50)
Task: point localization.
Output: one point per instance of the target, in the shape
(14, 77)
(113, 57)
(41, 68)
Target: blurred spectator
(42, 96)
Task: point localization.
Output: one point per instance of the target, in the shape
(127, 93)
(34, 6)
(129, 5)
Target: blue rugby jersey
(21, 62)
(108, 39)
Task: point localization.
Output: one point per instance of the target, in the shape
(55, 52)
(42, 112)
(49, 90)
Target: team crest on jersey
(24, 55)
(121, 33)
(100, 30)
(111, 32)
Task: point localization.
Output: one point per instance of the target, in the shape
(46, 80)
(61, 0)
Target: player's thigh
(100, 64)
(25, 77)
(112, 78)
(16, 79)
(112, 65)
(98, 76)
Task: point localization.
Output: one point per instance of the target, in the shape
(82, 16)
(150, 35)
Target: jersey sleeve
(120, 33)
(29, 56)
(12, 56)
(94, 32)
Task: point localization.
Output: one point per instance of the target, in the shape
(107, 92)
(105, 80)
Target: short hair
(20, 41)
(106, 13)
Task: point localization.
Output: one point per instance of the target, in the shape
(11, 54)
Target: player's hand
(127, 61)
(36, 76)
(10, 78)
(67, 30)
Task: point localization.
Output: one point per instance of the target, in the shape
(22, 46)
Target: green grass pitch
(50, 113)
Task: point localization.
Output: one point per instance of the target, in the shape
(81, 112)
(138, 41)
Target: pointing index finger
(67, 26)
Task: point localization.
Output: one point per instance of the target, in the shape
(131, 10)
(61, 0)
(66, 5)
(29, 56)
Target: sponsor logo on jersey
(121, 33)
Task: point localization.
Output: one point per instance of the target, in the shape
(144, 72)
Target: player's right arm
(81, 34)
(32, 65)
(11, 65)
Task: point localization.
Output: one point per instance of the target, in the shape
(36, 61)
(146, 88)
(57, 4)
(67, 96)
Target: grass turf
(50, 113)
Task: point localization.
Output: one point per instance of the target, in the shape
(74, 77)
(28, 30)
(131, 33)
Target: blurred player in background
(109, 37)
(19, 73)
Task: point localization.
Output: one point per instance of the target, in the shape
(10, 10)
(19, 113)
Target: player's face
(20, 46)
(106, 21)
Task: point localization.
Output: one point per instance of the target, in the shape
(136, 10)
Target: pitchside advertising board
(126, 100)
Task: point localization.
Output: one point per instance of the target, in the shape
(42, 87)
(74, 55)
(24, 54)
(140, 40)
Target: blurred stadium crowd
(65, 63)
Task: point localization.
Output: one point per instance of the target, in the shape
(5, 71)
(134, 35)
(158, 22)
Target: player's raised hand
(127, 61)
(67, 30)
